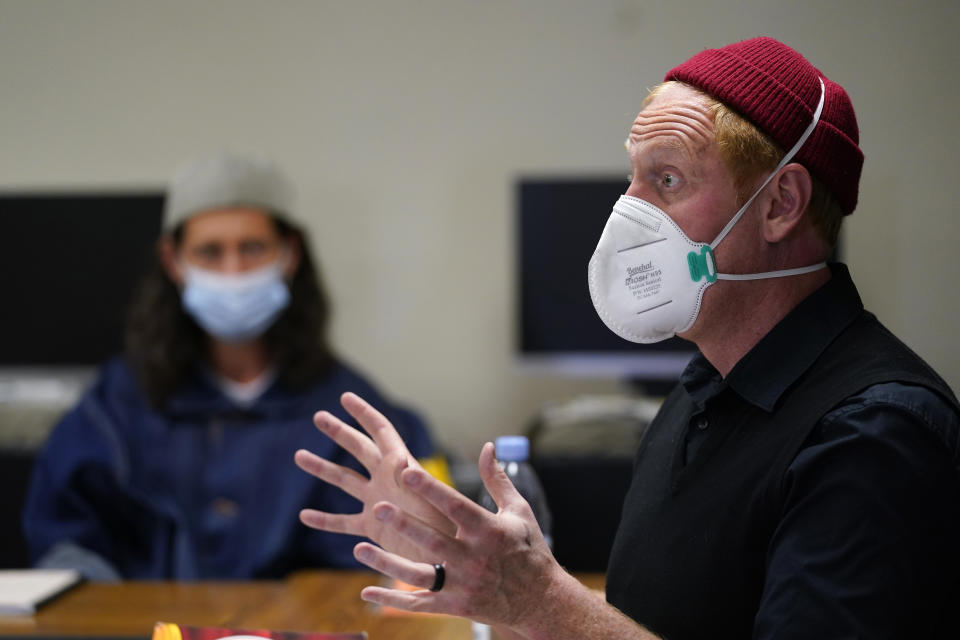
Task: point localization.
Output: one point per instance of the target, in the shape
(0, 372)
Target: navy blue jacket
(202, 488)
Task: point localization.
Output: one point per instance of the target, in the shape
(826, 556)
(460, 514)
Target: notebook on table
(22, 591)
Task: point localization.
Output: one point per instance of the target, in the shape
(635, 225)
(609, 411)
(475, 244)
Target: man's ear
(789, 192)
(167, 253)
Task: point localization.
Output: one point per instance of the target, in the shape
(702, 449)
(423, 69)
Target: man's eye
(253, 248)
(207, 252)
(669, 180)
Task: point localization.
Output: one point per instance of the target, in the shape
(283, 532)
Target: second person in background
(175, 464)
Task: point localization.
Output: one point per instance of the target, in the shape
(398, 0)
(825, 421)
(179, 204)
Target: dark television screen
(70, 263)
(558, 225)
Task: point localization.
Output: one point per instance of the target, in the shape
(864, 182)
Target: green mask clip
(702, 265)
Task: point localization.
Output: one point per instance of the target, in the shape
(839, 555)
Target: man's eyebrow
(690, 134)
(668, 142)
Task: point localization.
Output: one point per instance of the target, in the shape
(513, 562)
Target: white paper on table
(23, 590)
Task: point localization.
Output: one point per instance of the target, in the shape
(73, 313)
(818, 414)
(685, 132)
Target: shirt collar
(787, 351)
(701, 380)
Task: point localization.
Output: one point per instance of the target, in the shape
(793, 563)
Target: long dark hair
(163, 343)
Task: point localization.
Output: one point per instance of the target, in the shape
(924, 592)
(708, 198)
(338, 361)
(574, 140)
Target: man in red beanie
(802, 479)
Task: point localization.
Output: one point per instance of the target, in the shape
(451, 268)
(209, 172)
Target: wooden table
(307, 601)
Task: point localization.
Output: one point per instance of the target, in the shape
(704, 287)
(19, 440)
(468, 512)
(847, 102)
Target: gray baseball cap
(226, 179)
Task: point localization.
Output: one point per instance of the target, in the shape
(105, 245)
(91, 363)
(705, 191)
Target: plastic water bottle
(513, 453)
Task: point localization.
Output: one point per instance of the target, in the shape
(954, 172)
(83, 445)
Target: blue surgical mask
(235, 307)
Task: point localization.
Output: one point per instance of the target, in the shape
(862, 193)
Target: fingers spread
(350, 523)
(463, 511)
(376, 424)
(432, 542)
(495, 479)
(355, 442)
(417, 574)
(427, 602)
(342, 477)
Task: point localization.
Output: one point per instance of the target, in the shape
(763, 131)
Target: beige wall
(404, 123)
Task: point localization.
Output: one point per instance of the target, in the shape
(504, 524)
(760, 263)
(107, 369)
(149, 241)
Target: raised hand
(384, 457)
(497, 566)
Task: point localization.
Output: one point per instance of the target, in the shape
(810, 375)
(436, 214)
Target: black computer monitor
(70, 263)
(558, 225)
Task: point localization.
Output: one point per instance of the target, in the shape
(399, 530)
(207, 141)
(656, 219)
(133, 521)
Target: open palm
(384, 456)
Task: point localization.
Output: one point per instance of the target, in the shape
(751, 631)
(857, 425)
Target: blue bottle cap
(512, 448)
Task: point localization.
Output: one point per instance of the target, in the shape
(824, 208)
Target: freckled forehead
(678, 116)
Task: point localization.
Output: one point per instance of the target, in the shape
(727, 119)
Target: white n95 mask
(647, 277)
(236, 307)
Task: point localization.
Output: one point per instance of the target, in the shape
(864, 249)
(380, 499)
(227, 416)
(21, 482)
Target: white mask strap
(771, 274)
(787, 158)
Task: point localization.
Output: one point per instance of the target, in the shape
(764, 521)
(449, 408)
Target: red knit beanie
(776, 88)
